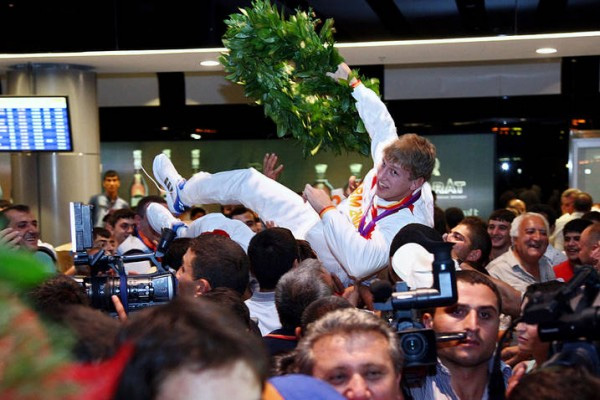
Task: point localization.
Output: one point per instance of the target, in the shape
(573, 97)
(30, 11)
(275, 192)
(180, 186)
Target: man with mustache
(464, 367)
(523, 264)
(20, 225)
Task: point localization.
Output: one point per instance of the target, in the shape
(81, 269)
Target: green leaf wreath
(282, 64)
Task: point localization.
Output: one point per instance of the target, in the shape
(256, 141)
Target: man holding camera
(464, 367)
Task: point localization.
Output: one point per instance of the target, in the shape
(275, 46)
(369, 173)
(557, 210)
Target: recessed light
(546, 50)
(195, 136)
(209, 63)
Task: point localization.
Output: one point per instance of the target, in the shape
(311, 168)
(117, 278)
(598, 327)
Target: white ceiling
(489, 49)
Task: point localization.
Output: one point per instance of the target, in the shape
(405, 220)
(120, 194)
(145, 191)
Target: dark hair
(439, 220)
(320, 307)
(221, 261)
(123, 213)
(174, 255)
(453, 216)
(5, 203)
(583, 202)
(480, 239)
(305, 251)
(197, 210)
(239, 210)
(190, 333)
(576, 225)
(553, 383)
(140, 209)
(502, 215)
(542, 290)
(297, 289)
(272, 253)
(232, 301)
(98, 231)
(593, 216)
(477, 278)
(50, 296)
(4, 220)
(545, 210)
(110, 174)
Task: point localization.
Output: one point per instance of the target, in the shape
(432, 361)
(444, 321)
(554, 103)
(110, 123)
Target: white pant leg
(270, 199)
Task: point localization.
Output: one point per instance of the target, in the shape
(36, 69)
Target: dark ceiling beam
(391, 17)
(473, 15)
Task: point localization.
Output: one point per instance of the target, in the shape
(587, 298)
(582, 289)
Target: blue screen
(35, 124)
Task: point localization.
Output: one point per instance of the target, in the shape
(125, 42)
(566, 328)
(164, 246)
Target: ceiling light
(546, 50)
(195, 136)
(209, 63)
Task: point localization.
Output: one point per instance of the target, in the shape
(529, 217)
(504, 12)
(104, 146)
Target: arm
(372, 111)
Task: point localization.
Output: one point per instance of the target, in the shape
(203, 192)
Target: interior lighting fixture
(209, 63)
(546, 50)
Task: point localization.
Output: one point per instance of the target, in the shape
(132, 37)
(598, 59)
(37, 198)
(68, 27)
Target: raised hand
(270, 168)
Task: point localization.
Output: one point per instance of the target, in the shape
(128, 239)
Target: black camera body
(135, 291)
(418, 343)
(570, 319)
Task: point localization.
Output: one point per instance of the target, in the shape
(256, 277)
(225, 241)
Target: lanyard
(365, 231)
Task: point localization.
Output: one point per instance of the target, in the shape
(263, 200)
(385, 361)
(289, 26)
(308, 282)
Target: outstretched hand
(317, 198)
(342, 72)
(270, 168)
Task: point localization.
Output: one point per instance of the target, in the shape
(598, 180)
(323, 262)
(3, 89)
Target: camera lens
(414, 346)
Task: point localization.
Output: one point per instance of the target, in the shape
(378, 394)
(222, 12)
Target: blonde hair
(414, 153)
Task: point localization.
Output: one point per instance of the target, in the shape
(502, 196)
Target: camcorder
(135, 291)
(570, 319)
(401, 307)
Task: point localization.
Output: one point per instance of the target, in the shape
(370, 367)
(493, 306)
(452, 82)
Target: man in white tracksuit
(353, 239)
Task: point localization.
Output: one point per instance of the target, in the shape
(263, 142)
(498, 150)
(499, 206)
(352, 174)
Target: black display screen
(35, 123)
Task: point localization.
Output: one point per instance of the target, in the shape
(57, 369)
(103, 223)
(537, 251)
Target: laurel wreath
(282, 64)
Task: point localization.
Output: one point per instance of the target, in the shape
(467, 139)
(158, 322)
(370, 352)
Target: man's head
(471, 242)
(499, 228)
(477, 312)
(355, 352)
(529, 232)
(20, 218)
(103, 240)
(272, 253)
(247, 216)
(213, 261)
(567, 198)
(191, 346)
(589, 241)
(572, 235)
(141, 220)
(583, 202)
(121, 224)
(297, 288)
(111, 183)
(407, 163)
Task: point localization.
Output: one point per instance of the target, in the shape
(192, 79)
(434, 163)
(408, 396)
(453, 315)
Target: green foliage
(282, 64)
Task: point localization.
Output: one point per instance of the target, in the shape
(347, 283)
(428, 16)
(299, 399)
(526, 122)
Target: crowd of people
(273, 298)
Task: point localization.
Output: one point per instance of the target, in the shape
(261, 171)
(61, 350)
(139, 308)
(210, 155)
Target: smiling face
(358, 365)
(394, 182)
(27, 226)
(572, 246)
(532, 239)
(499, 232)
(476, 312)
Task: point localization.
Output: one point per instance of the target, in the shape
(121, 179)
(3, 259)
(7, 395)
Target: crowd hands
(268, 309)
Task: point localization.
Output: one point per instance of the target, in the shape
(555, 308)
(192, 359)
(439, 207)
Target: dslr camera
(135, 291)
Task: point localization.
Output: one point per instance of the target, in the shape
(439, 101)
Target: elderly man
(524, 263)
(20, 229)
(355, 352)
(464, 367)
(567, 207)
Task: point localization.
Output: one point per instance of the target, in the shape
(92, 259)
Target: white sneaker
(170, 180)
(159, 217)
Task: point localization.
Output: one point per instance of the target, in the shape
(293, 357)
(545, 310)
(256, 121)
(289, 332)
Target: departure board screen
(35, 123)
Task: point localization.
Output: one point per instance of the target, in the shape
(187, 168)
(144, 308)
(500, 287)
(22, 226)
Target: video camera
(135, 291)
(570, 318)
(419, 344)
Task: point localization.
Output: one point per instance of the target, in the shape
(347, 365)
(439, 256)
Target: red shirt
(564, 271)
